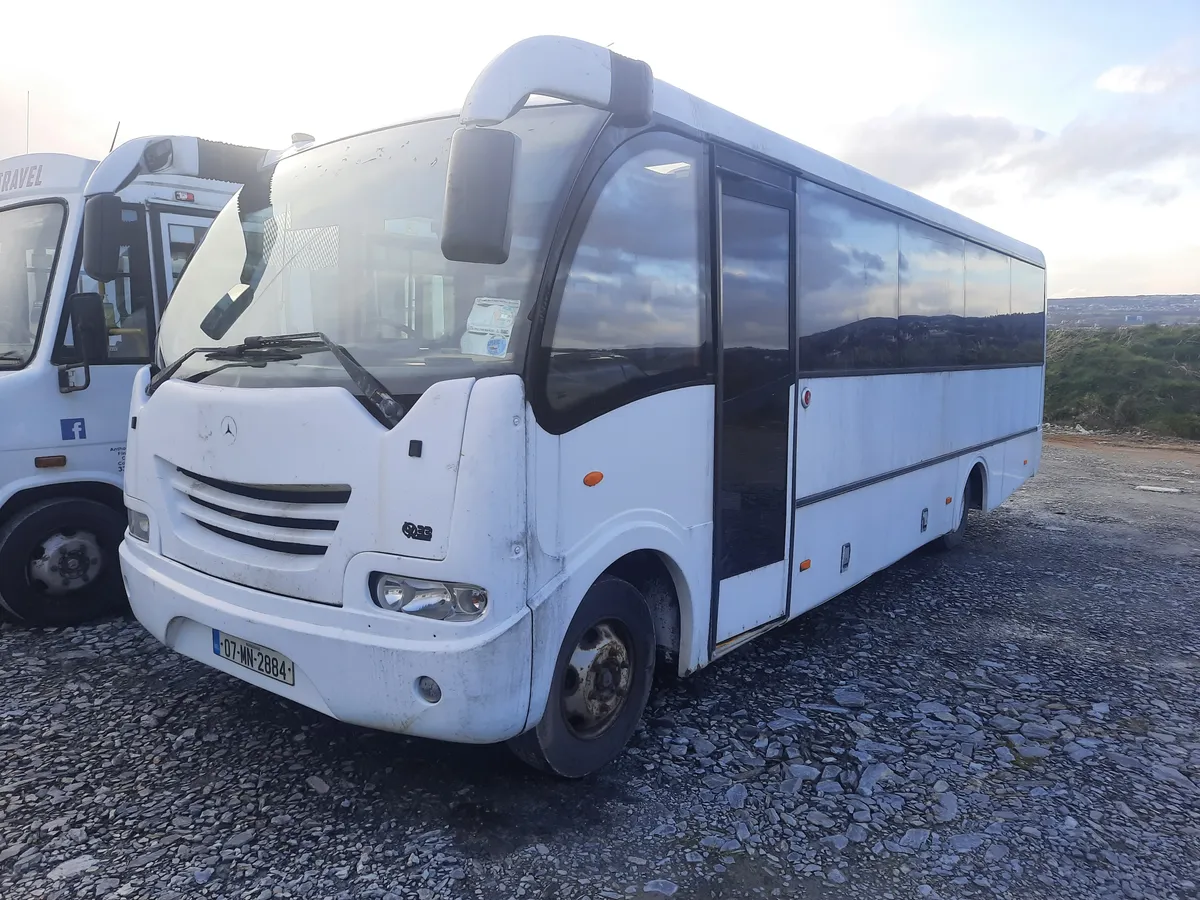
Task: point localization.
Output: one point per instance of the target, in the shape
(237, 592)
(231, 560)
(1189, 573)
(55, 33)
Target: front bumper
(356, 666)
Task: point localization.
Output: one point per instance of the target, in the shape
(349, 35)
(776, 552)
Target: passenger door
(178, 236)
(754, 416)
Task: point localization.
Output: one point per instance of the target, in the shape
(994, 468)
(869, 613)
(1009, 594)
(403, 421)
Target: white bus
(66, 402)
(459, 428)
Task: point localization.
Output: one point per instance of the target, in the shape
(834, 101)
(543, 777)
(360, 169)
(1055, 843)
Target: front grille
(297, 520)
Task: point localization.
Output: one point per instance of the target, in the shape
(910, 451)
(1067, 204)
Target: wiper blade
(12, 354)
(257, 361)
(258, 350)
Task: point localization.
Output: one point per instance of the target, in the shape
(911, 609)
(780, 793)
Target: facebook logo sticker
(73, 429)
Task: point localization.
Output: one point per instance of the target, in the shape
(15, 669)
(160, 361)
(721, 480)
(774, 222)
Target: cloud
(924, 149)
(1130, 79)
(1133, 80)
(1153, 192)
(920, 148)
(1091, 149)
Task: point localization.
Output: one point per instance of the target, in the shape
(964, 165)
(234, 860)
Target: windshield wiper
(12, 354)
(241, 358)
(258, 351)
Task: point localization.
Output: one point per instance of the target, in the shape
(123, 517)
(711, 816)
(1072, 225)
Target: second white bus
(459, 428)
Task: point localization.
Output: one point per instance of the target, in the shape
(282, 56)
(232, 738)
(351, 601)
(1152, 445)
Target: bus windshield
(343, 239)
(29, 240)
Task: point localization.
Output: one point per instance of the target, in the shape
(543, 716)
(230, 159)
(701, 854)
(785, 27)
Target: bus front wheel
(601, 683)
(58, 562)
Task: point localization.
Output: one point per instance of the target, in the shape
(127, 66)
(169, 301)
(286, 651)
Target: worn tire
(952, 539)
(24, 534)
(555, 745)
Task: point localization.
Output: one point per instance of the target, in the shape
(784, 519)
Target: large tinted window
(880, 292)
(931, 296)
(1028, 312)
(986, 338)
(849, 252)
(629, 319)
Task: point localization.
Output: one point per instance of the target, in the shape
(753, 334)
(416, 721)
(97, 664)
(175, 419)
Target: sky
(1073, 125)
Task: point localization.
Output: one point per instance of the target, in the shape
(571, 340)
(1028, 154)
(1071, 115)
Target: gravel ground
(1019, 717)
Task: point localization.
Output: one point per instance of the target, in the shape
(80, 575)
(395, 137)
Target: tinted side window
(630, 316)
(931, 297)
(1028, 312)
(986, 338)
(849, 252)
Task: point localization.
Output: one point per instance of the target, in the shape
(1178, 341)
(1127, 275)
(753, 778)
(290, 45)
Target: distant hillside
(1145, 309)
(1147, 378)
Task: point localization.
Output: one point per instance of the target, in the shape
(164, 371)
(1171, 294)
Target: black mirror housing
(89, 334)
(102, 230)
(479, 184)
(89, 327)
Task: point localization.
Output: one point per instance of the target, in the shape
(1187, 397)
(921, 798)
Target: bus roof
(174, 155)
(673, 103)
(36, 175)
(579, 71)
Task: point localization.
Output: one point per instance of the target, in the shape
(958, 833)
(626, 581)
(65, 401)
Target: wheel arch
(90, 489)
(977, 480)
(646, 553)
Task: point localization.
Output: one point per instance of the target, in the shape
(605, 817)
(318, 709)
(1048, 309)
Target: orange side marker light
(949, 500)
(805, 565)
(49, 462)
(591, 479)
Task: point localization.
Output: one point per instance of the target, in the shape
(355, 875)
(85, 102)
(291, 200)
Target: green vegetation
(1146, 378)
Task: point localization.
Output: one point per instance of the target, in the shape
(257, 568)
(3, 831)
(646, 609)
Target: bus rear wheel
(59, 564)
(602, 680)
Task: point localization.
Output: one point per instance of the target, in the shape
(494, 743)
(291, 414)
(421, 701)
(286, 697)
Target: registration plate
(262, 660)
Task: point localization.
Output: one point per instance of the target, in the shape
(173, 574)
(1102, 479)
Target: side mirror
(102, 230)
(89, 330)
(479, 185)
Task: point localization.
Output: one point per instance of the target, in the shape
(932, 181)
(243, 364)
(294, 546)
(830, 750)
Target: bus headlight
(445, 601)
(139, 525)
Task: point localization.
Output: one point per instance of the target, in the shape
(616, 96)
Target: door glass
(182, 241)
(756, 381)
(128, 298)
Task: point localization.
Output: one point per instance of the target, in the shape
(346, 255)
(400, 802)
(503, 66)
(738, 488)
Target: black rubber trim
(915, 370)
(218, 161)
(277, 546)
(276, 521)
(907, 470)
(280, 495)
(631, 94)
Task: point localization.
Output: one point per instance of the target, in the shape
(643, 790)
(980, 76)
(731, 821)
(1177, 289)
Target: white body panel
(858, 427)
(357, 662)
(640, 505)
